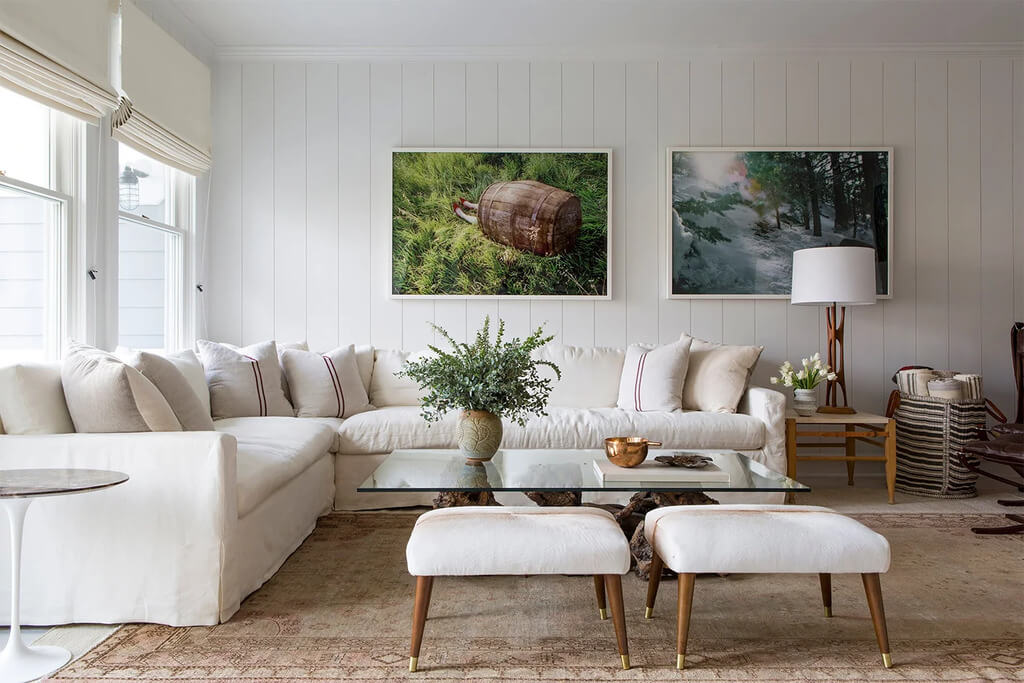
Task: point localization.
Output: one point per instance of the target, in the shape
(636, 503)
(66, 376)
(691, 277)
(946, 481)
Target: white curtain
(58, 52)
(165, 111)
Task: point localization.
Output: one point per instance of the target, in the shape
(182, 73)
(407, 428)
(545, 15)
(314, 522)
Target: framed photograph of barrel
(736, 215)
(501, 223)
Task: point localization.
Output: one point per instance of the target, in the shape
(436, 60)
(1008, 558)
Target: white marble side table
(18, 488)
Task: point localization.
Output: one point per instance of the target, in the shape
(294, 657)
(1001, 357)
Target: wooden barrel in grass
(531, 216)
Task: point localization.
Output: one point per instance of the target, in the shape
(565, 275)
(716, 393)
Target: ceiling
(567, 26)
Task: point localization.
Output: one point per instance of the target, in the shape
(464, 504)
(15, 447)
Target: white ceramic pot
(805, 401)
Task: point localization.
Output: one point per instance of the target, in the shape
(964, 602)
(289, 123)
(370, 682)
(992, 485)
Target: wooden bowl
(628, 451)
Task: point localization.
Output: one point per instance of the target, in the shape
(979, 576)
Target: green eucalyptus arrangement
(499, 377)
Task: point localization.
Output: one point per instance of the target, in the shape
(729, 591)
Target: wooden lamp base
(837, 410)
(834, 329)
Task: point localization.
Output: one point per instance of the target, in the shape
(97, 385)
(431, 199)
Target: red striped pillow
(652, 377)
(325, 384)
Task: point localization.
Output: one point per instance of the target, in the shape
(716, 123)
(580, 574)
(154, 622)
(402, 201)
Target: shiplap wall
(299, 240)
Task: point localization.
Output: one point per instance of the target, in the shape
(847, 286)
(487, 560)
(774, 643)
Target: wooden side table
(873, 429)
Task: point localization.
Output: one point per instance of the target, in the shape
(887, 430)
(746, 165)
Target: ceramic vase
(805, 401)
(478, 434)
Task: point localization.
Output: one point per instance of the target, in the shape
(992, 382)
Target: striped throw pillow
(325, 384)
(652, 377)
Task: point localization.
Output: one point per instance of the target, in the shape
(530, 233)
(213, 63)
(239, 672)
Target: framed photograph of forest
(736, 215)
(501, 223)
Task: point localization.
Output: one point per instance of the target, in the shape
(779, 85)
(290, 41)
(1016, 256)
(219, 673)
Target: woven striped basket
(930, 433)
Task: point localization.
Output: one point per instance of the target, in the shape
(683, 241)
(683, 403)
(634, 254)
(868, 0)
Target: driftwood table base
(630, 516)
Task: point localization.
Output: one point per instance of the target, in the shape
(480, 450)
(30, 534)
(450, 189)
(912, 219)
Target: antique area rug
(340, 610)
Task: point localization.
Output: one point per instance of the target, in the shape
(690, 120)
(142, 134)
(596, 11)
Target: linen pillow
(590, 376)
(171, 382)
(325, 385)
(244, 382)
(718, 375)
(388, 390)
(364, 360)
(187, 363)
(32, 399)
(105, 394)
(652, 377)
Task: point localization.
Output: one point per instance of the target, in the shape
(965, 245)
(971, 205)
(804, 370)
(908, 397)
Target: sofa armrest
(151, 549)
(770, 407)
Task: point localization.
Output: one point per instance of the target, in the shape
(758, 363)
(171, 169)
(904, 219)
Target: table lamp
(836, 277)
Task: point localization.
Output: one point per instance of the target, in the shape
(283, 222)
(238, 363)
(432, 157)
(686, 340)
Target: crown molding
(599, 53)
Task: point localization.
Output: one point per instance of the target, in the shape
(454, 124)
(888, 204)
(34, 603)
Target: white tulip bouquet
(813, 373)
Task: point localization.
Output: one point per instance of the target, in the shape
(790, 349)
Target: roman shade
(58, 52)
(165, 109)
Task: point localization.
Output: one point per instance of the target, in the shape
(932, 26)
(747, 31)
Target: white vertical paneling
(450, 131)
(706, 130)
(322, 190)
(224, 230)
(257, 202)
(610, 131)
(642, 231)
(385, 134)
(866, 363)
(546, 132)
(481, 131)
(514, 131)
(964, 161)
(900, 312)
(932, 185)
(738, 315)
(417, 131)
(673, 131)
(289, 201)
(578, 131)
(804, 334)
(997, 214)
(770, 129)
(354, 196)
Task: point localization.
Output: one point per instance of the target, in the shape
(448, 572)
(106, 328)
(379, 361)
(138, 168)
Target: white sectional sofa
(208, 517)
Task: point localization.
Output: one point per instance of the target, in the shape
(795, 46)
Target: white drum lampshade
(827, 275)
(836, 277)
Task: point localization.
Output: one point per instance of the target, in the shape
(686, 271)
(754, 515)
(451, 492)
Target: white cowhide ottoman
(492, 541)
(764, 539)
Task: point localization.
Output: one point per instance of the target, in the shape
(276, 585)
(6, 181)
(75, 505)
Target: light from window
(24, 139)
(145, 255)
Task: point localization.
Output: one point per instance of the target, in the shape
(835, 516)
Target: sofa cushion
(718, 375)
(325, 385)
(652, 377)
(388, 390)
(175, 387)
(590, 376)
(244, 382)
(272, 451)
(32, 399)
(386, 429)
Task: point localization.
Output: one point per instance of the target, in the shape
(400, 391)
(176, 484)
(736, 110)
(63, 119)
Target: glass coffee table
(562, 476)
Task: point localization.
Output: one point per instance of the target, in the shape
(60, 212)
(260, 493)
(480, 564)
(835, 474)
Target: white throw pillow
(32, 399)
(171, 382)
(325, 385)
(388, 390)
(364, 360)
(590, 376)
(718, 375)
(244, 382)
(187, 363)
(105, 394)
(652, 377)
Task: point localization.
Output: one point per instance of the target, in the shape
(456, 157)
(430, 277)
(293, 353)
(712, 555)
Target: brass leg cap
(412, 663)
(828, 611)
(887, 660)
(603, 612)
(625, 661)
(680, 661)
(648, 613)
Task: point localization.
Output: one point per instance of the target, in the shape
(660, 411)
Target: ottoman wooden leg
(424, 584)
(826, 592)
(653, 581)
(685, 607)
(613, 582)
(873, 589)
(602, 608)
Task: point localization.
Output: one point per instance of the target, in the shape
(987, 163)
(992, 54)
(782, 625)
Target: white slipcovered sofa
(208, 517)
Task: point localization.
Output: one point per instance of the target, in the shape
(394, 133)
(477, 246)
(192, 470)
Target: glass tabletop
(569, 470)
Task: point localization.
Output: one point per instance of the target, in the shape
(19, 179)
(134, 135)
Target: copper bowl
(628, 451)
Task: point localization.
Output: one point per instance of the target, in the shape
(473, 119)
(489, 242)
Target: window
(155, 210)
(34, 229)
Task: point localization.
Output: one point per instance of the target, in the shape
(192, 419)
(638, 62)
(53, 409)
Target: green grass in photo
(435, 252)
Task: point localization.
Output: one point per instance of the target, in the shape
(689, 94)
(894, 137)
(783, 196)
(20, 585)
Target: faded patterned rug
(340, 610)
